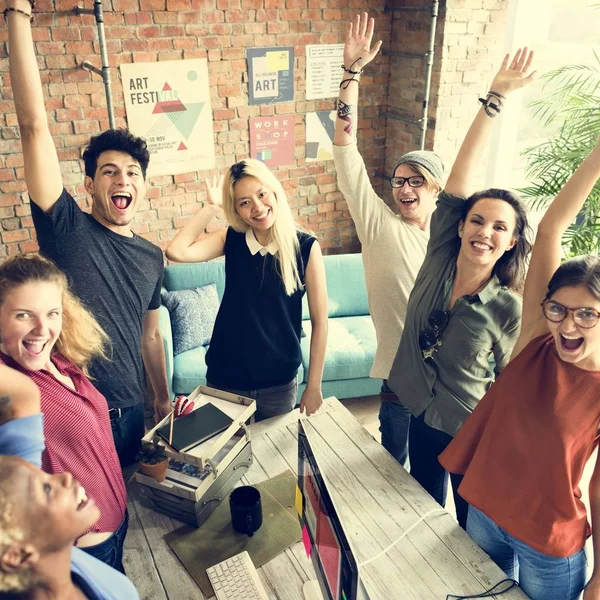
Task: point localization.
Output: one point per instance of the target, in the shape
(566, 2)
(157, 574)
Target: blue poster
(271, 75)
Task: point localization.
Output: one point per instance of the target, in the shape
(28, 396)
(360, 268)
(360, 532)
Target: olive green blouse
(448, 386)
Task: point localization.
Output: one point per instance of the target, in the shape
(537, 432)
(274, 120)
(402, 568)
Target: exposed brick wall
(221, 30)
(468, 50)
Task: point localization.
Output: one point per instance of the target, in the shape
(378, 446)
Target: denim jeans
(111, 550)
(270, 401)
(425, 445)
(128, 431)
(542, 577)
(394, 423)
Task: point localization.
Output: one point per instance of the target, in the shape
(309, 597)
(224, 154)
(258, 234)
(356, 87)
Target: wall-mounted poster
(323, 70)
(168, 104)
(271, 75)
(272, 140)
(320, 127)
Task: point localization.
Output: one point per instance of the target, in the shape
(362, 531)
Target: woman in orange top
(524, 448)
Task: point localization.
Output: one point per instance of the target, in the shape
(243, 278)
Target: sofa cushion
(346, 288)
(189, 370)
(193, 314)
(351, 346)
(193, 275)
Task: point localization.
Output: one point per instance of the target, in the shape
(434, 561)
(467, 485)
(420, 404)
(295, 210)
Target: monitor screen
(334, 562)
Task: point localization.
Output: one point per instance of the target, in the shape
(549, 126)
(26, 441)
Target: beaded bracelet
(17, 10)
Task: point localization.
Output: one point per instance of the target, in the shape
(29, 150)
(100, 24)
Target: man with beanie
(393, 243)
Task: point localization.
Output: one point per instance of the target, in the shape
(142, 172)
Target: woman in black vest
(255, 348)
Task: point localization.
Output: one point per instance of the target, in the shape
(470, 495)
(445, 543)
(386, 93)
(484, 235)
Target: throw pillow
(193, 314)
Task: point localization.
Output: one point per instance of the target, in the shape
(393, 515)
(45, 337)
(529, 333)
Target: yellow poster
(168, 104)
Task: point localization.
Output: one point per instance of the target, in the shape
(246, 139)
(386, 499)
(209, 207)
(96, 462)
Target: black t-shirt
(256, 338)
(118, 278)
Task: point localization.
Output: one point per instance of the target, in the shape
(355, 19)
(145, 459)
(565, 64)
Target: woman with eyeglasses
(523, 451)
(463, 311)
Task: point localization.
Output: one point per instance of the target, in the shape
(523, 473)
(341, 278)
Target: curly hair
(120, 140)
(81, 338)
(11, 530)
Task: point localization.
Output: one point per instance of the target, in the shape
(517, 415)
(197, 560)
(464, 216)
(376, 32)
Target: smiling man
(393, 241)
(116, 273)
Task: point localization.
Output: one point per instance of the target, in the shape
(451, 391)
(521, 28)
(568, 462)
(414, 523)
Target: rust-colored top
(524, 448)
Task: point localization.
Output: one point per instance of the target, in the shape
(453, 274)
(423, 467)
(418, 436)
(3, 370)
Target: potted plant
(153, 460)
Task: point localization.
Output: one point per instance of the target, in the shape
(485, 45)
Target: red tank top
(524, 448)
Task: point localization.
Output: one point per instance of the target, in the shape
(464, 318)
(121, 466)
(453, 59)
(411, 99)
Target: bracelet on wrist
(351, 71)
(492, 104)
(17, 10)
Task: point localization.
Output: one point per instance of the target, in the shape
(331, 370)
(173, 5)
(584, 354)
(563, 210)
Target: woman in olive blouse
(463, 310)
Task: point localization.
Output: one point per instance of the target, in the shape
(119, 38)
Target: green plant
(151, 453)
(573, 104)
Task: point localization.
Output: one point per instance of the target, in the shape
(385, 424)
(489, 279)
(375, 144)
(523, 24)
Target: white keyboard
(236, 579)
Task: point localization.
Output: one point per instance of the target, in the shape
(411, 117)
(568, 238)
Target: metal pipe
(388, 115)
(105, 71)
(430, 55)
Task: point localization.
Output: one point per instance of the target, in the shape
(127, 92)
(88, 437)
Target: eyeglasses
(414, 182)
(584, 316)
(430, 338)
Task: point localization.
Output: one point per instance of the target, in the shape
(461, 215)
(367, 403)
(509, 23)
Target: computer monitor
(332, 557)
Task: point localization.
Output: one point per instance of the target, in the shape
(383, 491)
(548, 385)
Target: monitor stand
(312, 590)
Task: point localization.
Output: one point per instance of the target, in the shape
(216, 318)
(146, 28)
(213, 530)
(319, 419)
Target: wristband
(17, 10)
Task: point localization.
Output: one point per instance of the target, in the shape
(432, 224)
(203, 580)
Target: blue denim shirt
(448, 386)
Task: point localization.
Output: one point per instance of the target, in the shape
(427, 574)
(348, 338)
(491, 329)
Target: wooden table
(377, 500)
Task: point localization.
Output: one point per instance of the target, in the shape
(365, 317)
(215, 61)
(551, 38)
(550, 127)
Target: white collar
(255, 246)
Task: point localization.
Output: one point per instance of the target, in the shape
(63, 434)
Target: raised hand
(357, 49)
(516, 75)
(214, 190)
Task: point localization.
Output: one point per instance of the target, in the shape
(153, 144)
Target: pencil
(171, 428)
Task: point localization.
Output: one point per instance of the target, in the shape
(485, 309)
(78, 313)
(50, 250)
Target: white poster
(168, 104)
(323, 70)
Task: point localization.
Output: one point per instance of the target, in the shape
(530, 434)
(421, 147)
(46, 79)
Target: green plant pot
(157, 471)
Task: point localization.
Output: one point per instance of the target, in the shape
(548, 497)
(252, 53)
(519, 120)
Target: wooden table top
(378, 502)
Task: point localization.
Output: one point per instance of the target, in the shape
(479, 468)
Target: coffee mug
(246, 509)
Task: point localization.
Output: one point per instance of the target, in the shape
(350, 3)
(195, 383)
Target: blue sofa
(350, 348)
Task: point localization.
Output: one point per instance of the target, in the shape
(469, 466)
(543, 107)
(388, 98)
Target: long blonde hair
(284, 230)
(81, 337)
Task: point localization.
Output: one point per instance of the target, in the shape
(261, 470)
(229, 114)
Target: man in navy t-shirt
(117, 274)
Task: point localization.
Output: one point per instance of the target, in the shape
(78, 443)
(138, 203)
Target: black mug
(246, 509)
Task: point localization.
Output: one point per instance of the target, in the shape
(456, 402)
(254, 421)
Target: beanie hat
(426, 159)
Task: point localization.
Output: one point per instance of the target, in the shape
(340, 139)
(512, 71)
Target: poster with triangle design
(168, 104)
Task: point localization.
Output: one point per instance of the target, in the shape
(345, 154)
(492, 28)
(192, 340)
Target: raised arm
(19, 396)
(357, 54)
(546, 255)
(507, 80)
(186, 247)
(42, 169)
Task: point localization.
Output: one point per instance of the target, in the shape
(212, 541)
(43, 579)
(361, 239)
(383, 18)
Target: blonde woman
(46, 334)
(269, 262)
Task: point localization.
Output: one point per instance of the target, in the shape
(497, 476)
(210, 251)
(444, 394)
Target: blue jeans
(128, 431)
(394, 422)
(270, 401)
(111, 550)
(542, 577)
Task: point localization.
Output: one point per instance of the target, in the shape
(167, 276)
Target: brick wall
(468, 50)
(221, 30)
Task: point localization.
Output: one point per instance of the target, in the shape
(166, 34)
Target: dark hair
(120, 140)
(511, 267)
(575, 272)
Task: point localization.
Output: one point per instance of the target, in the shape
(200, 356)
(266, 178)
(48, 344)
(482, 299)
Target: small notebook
(198, 426)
